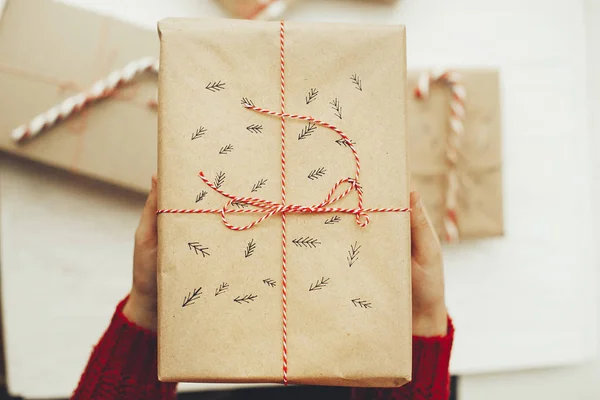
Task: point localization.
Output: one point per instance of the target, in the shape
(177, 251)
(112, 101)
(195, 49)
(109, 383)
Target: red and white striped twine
(269, 208)
(457, 117)
(283, 215)
(100, 90)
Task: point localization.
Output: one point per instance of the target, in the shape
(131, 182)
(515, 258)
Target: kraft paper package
(256, 9)
(113, 140)
(347, 287)
(479, 201)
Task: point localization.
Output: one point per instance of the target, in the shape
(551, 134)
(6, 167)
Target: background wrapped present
(477, 198)
(348, 296)
(114, 140)
(256, 9)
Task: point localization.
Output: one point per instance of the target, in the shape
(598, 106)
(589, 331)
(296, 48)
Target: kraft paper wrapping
(49, 52)
(231, 330)
(480, 204)
(255, 9)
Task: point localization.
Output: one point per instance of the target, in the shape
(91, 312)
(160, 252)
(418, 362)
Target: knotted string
(270, 208)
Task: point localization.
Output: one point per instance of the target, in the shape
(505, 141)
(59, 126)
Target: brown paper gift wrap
(233, 330)
(49, 52)
(479, 204)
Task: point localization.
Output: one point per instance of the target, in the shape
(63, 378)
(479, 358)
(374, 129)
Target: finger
(425, 242)
(147, 226)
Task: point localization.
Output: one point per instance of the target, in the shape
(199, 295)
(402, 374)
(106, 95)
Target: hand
(429, 308)
(141, 308)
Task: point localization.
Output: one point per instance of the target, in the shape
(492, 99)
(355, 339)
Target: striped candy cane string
(74, 104)
(269, 208)
(457, 117)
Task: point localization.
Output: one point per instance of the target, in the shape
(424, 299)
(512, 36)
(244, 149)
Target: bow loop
(271, 208)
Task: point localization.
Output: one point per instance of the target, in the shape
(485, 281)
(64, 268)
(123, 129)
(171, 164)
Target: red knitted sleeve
(123, 365)
(430, 376)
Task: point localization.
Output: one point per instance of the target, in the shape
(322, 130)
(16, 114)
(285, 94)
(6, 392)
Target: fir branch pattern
(306, 242)
(239, 204)
(269, 282)
(199, 249)
(254, 128)
(353, 254)
(247, 102)
(222, 288)
(312, 95)
(357, 82)
(245, 299)
(250, 247)
(219, 179)
(335, 105)
(361, 303)
(307, 131)
(215, 86)
(333, 220)
(226, 149)
(320, 284)
(191, 297)
(344, 142)
(201, 196)
(259, 185)
(199, 133)
(316, 173)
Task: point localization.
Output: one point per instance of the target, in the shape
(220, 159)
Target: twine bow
(271, 208)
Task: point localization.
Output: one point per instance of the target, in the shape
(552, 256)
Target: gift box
(65, 53)
(256, 9)
(306, 282)
(456, 150)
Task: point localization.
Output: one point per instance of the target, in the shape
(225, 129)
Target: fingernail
(153, 183)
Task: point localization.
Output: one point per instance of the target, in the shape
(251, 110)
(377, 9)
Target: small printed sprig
(199, 133)
(259, 185)
(335, 104)
(226, 149)
(222, 288)
(353, 254)
(191, 297)
(245, 299)
(215, 86)
(219, 179)
(250, 247)
(333, 220)
(247, 102)
(306, 242)
(320, 284)
(254, 128)
(199, 249)
(361, 303)
(239, 204)
(316, 173)
(307, 131)
(344, 142)
(357, 82)
(269, 282)
(201, 196)
(312, 95)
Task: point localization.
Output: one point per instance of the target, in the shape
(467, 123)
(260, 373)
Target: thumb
(425, 242)
(146, 232)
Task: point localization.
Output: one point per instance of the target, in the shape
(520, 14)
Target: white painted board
(521, 301)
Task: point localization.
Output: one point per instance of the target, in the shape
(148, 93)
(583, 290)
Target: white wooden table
(518, 302)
